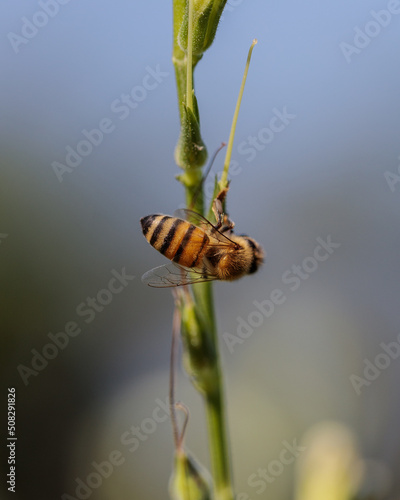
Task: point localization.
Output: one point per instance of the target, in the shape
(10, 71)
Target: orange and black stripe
(175, 238)
(253, 264)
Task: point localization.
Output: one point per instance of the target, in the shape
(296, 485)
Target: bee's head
(257, 254)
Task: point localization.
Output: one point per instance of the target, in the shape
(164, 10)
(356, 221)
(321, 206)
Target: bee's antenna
(207, 171)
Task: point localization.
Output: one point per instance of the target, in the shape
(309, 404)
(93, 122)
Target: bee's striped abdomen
(175, 238)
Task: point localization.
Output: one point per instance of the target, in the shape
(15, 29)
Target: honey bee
(199, 250)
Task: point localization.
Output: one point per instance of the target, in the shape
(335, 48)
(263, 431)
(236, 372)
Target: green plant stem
(215, 406)
(214, 401)
(212, 387)
(179, 56)
(224, 177)
(218, 446)
(189, 76)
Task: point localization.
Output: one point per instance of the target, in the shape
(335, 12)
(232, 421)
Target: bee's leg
(218, 212)
(223, 222)
(228, 224)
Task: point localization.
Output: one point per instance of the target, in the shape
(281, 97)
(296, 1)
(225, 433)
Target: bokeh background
(326, 173)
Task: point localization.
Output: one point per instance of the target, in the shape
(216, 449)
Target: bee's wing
(173, 274)
(205, 224)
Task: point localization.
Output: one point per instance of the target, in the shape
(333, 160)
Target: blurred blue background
(331, 170)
